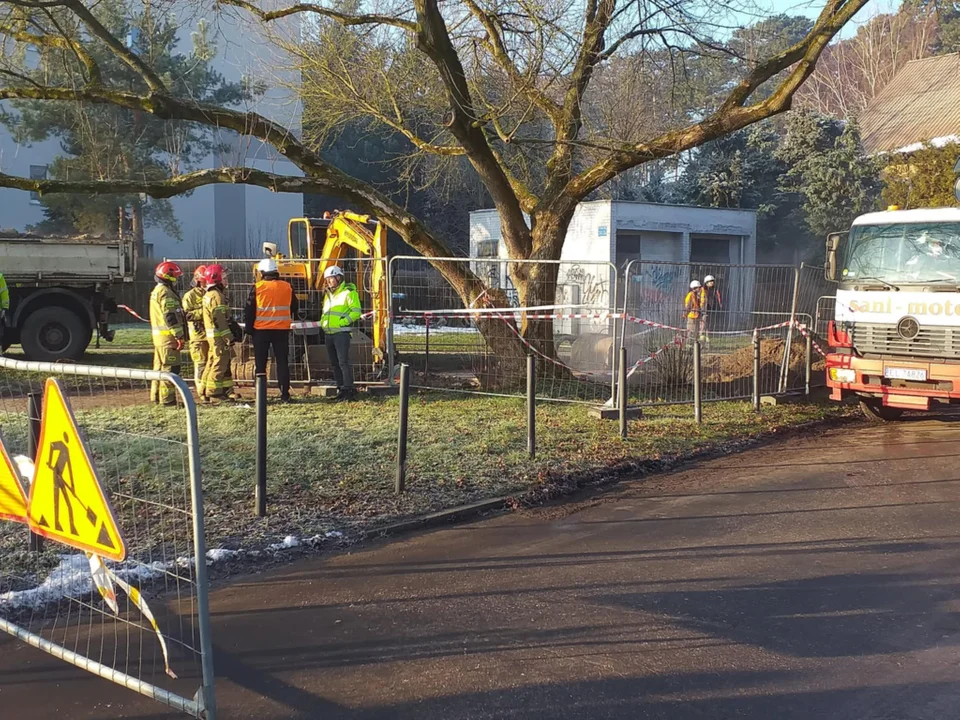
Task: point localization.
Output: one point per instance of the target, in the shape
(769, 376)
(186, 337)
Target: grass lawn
(331, 466)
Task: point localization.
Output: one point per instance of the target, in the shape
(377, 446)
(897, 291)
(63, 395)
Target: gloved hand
(180, 344)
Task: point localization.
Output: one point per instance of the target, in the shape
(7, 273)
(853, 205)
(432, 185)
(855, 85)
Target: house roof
(921, 104)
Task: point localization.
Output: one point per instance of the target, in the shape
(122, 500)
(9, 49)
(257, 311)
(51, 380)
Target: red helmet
(213, 275)
(168, 271)
(198, 274)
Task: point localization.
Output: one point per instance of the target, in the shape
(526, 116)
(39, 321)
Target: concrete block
(326, 391)
(786, 399)
(383, 390)
(612, 413)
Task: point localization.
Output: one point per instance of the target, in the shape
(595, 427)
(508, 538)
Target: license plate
(893, 373)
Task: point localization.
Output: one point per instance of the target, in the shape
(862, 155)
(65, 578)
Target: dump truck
(60, 291)
(895, 336)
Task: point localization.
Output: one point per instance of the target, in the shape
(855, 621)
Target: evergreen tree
(105, 141)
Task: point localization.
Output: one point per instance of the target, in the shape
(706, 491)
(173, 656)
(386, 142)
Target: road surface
(813, 578)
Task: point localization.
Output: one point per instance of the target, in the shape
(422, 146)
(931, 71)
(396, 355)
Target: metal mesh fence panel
(148, 628)
(469, 323)
(658, 334)
(308, 357)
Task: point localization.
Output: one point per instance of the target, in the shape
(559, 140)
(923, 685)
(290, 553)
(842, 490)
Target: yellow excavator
(314, 244)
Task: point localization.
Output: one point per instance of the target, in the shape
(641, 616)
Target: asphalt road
(813, 578)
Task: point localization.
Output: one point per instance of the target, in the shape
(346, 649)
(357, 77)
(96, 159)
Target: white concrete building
(219, 220)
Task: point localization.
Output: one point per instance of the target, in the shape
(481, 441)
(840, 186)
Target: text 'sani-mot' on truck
(60, 292)
(895, 336)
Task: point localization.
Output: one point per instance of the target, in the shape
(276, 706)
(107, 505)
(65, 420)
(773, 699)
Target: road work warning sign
(67, 503)
(13, 501)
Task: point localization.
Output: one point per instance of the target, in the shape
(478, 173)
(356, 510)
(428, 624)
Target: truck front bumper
(849, 375)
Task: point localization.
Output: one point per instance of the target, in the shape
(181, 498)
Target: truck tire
(876, 411)
(54, 333)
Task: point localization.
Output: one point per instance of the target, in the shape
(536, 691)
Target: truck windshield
(298, 239)
(903, 253)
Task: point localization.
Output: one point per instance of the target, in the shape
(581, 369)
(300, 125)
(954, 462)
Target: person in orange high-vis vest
(268, 315)
(693, 309)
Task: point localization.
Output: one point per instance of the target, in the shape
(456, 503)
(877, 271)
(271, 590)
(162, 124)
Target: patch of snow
(421, 330)
(70, 578)
(288, 542)
(334, 534)
(937, 142)
(25, 468)
(220, 554)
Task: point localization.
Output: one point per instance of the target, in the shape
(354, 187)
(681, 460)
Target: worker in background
(193, 312)
(693, 309)
(217, 382)
(341, 310)
(268, 315)
(166, 321)
(712, 305)
(4, 305)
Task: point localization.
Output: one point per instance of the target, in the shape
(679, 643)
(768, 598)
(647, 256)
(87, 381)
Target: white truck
(59, 291)
(896, 332)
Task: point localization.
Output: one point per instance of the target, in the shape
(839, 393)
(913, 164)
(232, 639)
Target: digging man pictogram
(61, 488)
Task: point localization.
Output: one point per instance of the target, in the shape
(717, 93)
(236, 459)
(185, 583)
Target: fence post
(426, 346)
(34, 405)
(532, 405)
(756, 371)
(261, 496)
(402, 437)
(391, 348)
(622, 391)
(697, 398)
(807, 362)
(785, 367)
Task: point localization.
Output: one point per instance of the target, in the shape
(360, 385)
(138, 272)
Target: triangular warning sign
(13, 501)
(67, 503)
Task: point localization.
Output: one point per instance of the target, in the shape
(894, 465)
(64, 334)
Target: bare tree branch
(342, 18)
(133, 60)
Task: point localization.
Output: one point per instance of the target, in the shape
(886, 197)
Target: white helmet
(268, 265)
(709, 279)
(694, 284)
(332, 271)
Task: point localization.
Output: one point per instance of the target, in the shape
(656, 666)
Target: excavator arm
(346, 230)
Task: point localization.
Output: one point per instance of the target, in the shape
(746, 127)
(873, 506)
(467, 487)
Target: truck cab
(895, 336)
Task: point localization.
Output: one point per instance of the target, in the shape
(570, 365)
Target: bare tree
(506, 84)
(853, 71)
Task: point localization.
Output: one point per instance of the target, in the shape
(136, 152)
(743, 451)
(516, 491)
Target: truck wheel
(54, 333)
(876, 411)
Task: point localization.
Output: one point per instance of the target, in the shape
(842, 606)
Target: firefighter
(166, 320)
(193, 312)
(268, 315)
(712, 305)
(693, 307)
(341, 310)
(216, 383)
(4, 305)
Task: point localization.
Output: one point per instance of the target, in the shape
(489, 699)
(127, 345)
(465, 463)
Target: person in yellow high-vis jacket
(166, 321)
(341, 310)
(693, 309)
(4, 305)
(217, 382)
(193, 311)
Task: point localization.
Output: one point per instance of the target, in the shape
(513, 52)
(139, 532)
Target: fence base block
(382, 390)
(324, 390)
(787, 399)
(612, 413)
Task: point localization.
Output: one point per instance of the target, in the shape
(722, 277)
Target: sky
(812, 10)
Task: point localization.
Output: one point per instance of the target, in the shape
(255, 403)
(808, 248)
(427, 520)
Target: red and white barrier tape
(677, 340)
(806, 333)
(467, 314)
(133, 312)
(297, 325)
